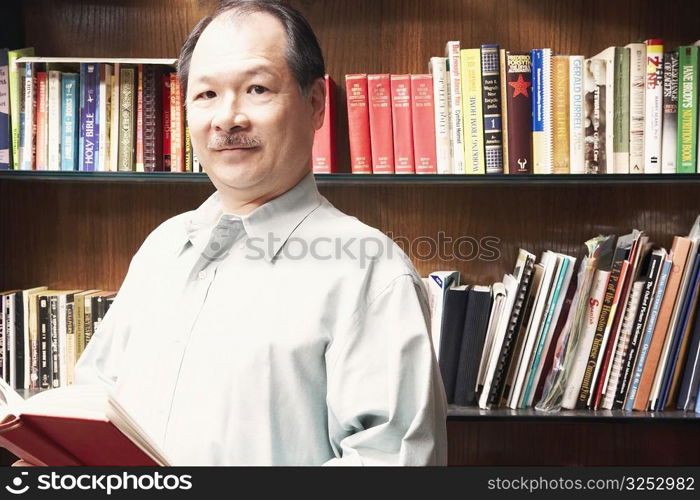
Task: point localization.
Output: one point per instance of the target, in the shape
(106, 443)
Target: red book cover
(380, 127)
(139, 119)
(323, 153)
(402, 124)
(358, 124)
(519, 105)
(42, 142)
(165, 86)
(423, 114)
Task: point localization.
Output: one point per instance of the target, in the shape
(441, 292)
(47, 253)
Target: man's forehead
(245, 33)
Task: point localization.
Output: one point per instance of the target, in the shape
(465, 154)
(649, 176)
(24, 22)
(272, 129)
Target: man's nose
(230, 115)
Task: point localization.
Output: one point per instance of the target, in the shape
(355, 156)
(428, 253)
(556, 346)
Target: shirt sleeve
(100, 361)
(386, 401)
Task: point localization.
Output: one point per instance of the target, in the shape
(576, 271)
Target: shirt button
(202, 275)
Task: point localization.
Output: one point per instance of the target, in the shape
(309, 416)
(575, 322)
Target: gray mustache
(233, 141)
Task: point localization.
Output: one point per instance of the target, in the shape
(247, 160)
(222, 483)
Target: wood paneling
(83, 234)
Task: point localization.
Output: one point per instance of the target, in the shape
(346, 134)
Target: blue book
(5, 159)
(677, 339)
(691, 374)
(89, 122)
(648, 333)
(541, 111)
(69, 117)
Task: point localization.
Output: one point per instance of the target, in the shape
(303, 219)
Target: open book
(73, 425)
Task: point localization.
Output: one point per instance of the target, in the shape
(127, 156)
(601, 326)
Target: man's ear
(317, 96)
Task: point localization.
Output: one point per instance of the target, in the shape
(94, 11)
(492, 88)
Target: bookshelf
(81, 229)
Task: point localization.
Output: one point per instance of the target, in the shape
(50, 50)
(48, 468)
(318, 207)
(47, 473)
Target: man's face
(251, 127)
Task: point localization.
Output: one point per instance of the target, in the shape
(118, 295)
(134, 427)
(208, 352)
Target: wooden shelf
(367, 179)
(465, 414)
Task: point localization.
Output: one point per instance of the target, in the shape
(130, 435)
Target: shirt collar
(270, 224)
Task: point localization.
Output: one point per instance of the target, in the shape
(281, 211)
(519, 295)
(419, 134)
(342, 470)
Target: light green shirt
(307, 343)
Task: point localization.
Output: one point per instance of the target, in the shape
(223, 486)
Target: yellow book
(560, 114)
(470, 63)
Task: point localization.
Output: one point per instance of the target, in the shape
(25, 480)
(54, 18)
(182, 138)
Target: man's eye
(257, 89)
(209, 94)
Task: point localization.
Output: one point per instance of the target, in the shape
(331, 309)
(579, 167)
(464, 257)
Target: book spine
(576, 123)
(69, 112)
(423, 114)
(103, 115)
(560, 115)
(443, 147)
(519, 104)
(638, 61)
(504, 106)
(88, 324)
(5, 133)
(61, 347)
(323, 151)
(127, 79)
(670, 102)
(21, 342)
(42, 122)
(71, 355)
(44, 351)
(15, 72)
(630, 358)
(588, 329)
(358, 124)
(89, 125)
(380, 124)
(79, 324)
(541, 111)
(54, 118)
(177, 163)
(54, 352)
(151, 137)
(621, 112)
(3, 368)
(472, 111)
(28, 151)
(491, 105)
(686, 158)
(401, 123)
(595, 76)
(643, 401)
(622, 345)
(188, 150)
(114, 120)
(165, 86)
(454, 86)
(9, 339)
(653, 117)
(139, 165)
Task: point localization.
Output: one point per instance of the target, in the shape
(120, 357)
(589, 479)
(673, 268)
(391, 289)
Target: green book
(16, 92)
(127, 83)
(687, 109)
(621, 115)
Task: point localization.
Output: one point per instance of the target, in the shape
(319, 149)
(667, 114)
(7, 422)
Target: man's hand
(22, 463)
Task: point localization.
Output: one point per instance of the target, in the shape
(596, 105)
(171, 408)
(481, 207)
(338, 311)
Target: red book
(402, 124)
(42, 123)
(90, 429)
(519, 104)
(139, 119)
(165, 92)
(358, 124)
(380, 127)
(423, 113)
(323, 153)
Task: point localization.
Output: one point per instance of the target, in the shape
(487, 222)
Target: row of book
(631, 109)
(118, 115)
(622, 332)
(43, 332)
(87, 115)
